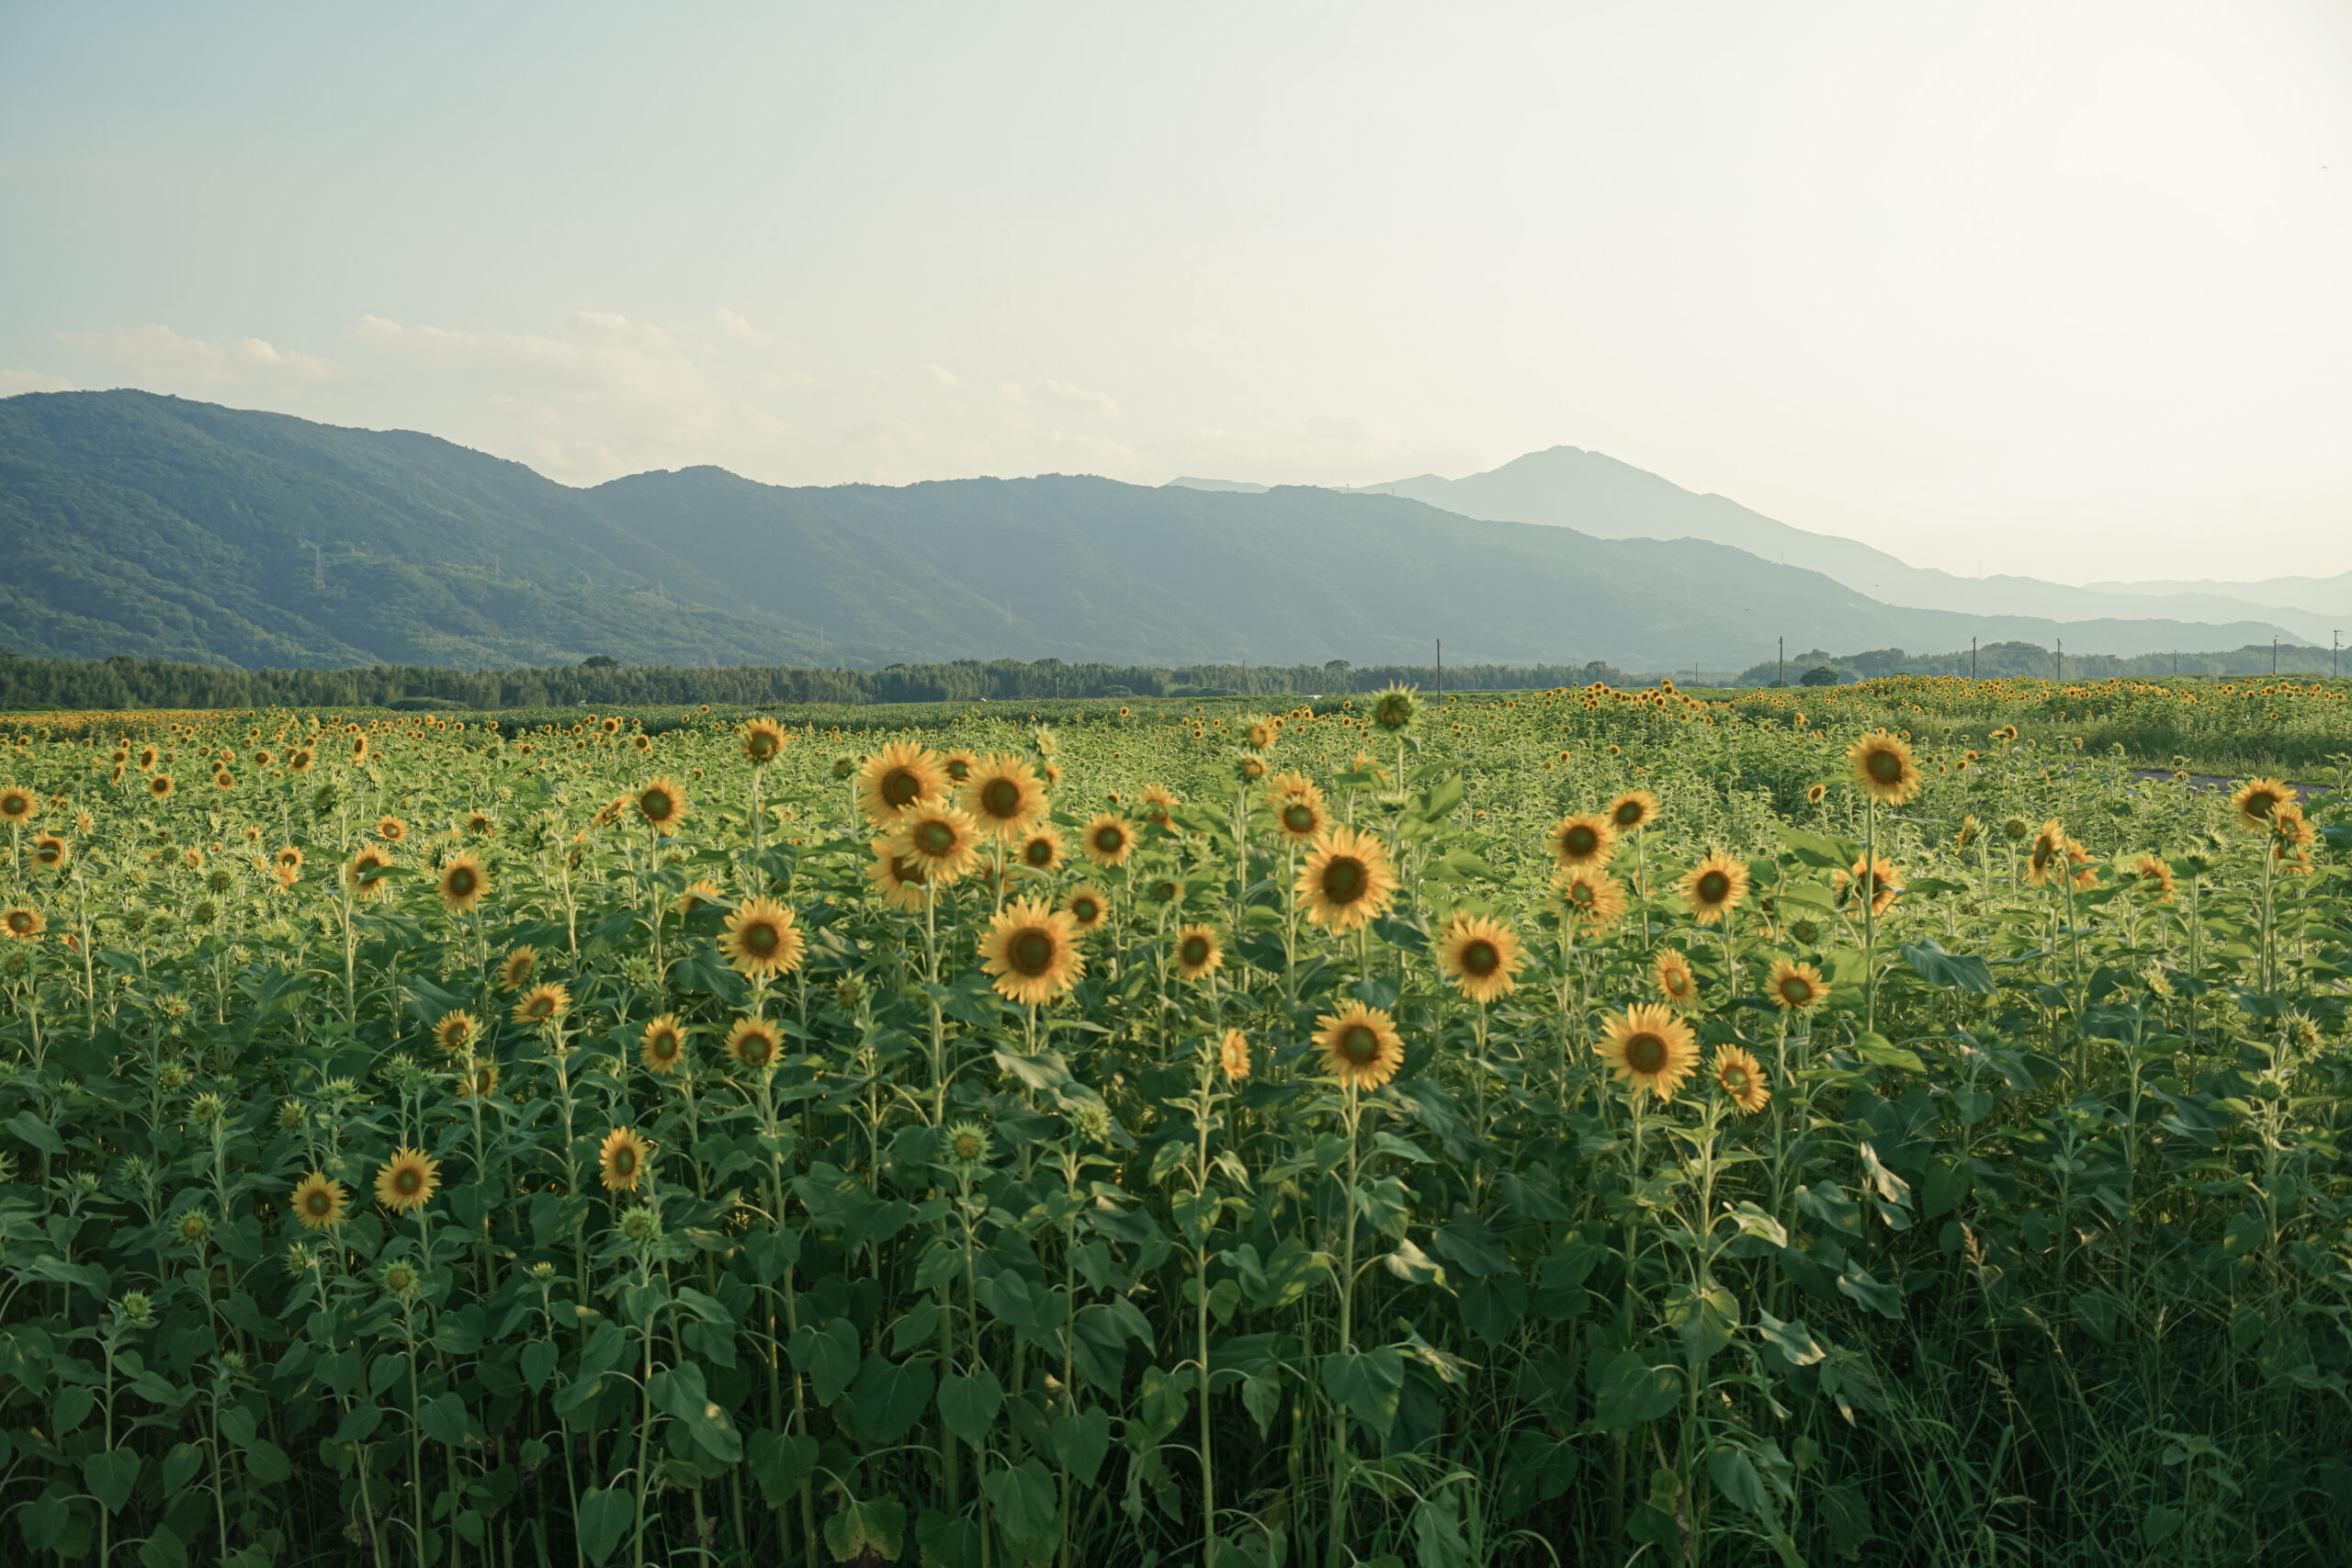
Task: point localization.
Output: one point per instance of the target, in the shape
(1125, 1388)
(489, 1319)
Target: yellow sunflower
(941, 840)
(1649, 1049)
(1741, 1079)
(2154, 877)
(289, 862)
(1481, 956)
(1234, 1055)
(365, 873)
(662, 1046)
(1798, 987)
(478, 1081)
(1198, 953)
(763, 740)
(621, 1159)
(1258, 733)
(1882, 767)
(1346, 880)
(1633, 812)
(1881, 882)
(391, 829)
(1088, 908)
(463, 882)
(18, 805)
(762, 939)
(1675, 982)
(50, 853)
(1003, 797)
(24, 924)
(2258, 800)
(515, 971)
(456, 1031)
(1715, 887)
(2048, 849)
(754, 1044)
(1158, 802)
(903, 775)
(1108, 841)
(662, 805)
(898, 878)
(1581, 841)
(160, 787)
(542, 1004)
(699, 894)
(407, 1180)
(1592, 899)
(1031, 949)
(1299, 808)
(318, 1201)
(1360, 1046)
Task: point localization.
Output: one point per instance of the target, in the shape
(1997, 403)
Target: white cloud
(1081, 399)
(734, 324)
(28, 380)
(164, 360)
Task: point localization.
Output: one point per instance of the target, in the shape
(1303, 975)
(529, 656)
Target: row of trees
(2029, 659)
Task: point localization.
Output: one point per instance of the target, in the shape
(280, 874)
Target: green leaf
(603, 1517)
(1964, 970)
(1367, 1385)
(827, 1356)
(1079, 1442)
(268, 1463)
(443, 1419)
(163, 1548)
(37, 1132)
(1880, 1052)
(889, 1398)
(970, 1404)
(1735, 1476)
(1794, 1340)
(180, 1466)
(1633, 1391)
(679, 1391)
(1023, 1497)
(1857, 1285)
(110, 1475)
(875, 1528)
(538, 1363)
(1815, 850)
(780, 1462)
(1705, 1319)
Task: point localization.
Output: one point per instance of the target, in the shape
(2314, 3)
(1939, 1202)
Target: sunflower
(754, 1044)
(1593, 897)
(1481, 956)
(1159, 803)
(1346, 880)
(1003, 797)
(1675, 982)
(2258, 800)
(940, 838)
(903, 775)
(699, 894)
(1815, 794)
(480, 825)
(1633, 812)
(24, 924)
(1882, 880)
(1032, 950)
(2050, 847)
(1966, 836)
(1577, 841)
(1715, 887)
(1299, 808)
(1088, 908)
(959, 764)
(463, 882)
(17, 804)
(365, 873)
(1198, 953)
(148, 757)
(1882, 767)
(620, 1160)
(1798, 987)
(898, 878)
(1740, 1079)
(2154, 877)
(193, 860)
(1360, 1046)
(2085, 871)
(1650, 1049)
(318, 1201)
(662, 1046)
(1394, 710)
(49, 852)
(1108, 841)
(300, 760)
(455, 1029)
(160, 787)
(391, 829)
(515, 971)
(968, 1145)
(406, 1181)
(542, 1004)
(763, 739)
(662, 805)
(1233, 1055)
(1041, 852)
(478, 1081)
(762, 939)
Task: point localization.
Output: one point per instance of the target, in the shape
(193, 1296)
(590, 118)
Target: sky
(2047, 289)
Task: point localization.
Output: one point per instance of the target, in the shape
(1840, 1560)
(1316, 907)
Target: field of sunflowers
(1553, 1127)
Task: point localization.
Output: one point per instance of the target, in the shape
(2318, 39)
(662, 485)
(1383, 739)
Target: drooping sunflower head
(1796, 987)
(1360, 1045)
(1715, 887)
(477, 1080)
(2048, 849)
(754, 1044)
(1108, 841)
(762, 939)
(1590, 898)
(2154, 877)
(1649, 1049)
(1481, 956)
(1088, 908)
(1395, 708)
(514, 970)
(662, 805)
(1158, 806)
(1198, 953)
(901, 776)
(1004, 795)
(1633, 812)
(2258, 801)
(1030, 953)
(456, 1031)
(1581, 841)
(1676, 981)
(318, 1201)
(662, 1046)
(463, 882)
(1041, 852)
(844, 765)
(621, 1159)
(1882, 767)
(1742, 1081)
(1966, 836)
(762, 741)
(542, 1004)
(1233, 1055)
(50, 853)
(901, 879)
(1346, 880)
(699, 894)
(406, 1182)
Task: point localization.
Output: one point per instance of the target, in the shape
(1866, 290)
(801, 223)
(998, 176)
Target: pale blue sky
(2058, 288)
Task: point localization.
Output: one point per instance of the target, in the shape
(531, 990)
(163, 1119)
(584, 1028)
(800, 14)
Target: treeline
(138, 684)
(2002, 659)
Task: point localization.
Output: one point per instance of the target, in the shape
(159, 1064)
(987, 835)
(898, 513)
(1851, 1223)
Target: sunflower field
(1557, 1127)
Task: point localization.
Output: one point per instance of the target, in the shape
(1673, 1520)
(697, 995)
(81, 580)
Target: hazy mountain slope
(2326, 599)
(1592, 493)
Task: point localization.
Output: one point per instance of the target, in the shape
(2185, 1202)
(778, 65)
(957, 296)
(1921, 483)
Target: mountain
(140, 524)
(2326, 598)
(1238, 487)
(1595, 494)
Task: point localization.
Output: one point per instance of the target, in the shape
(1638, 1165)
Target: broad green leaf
(1367, 1385)
(1023, 1497)
(889, 1398)
(1081, 1440)
(969, 1403)
(828, 1357)
(605, 1515)
(780, 1462)
(110, 1474)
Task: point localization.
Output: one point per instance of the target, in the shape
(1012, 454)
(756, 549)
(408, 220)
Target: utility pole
(2062, 660)
(1440, 667)
(2274, 658)
(1784, 661)
(1971, 658)
(2335, 641)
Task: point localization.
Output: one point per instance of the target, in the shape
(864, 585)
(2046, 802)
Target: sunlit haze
(2057, 290)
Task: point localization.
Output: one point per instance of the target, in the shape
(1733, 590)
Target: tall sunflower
(1481, 956)
(1715, 887)
(662, 805)
(2049, 849)
(1581, 841)
(368, 874)
(1649, 1049)
(662, 1046)
(762, 741)
(1346, 880)
(1299, 808)
(542, 1004)
(1633, 812)
(903, 775)
(22, 923)
(1881, 882)
(515, 971)
(1199, 954)
(1004, 795)
(2154, 877)
(1882, 767)
(456, 1031)
(621, 1159)
(463, 882)
(754, 1044)
(898, 878)
(1676, 981)
(160, 787)
(1393, 708)
(318, 1199)
(1360, 1045)
(406, 1182)
(762, 939)
(1088, 908)
(1031, 950)
(1108, 841)
(1591, 898)
(1233, 1055)
(2258, 800)
(1797, 987)
(940, 838)
(1742, 1081)
(18, 805)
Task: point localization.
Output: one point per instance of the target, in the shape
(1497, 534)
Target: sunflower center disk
(1480, 958)
(1646, 1053)
(900, 787)
(1001, 799)
(1360, 1046)
(938, 837)
(1714, 885)
(1033, 952)
(1344, 879)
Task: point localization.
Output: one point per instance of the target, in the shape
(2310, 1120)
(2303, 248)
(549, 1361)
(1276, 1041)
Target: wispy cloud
(14, 381)
(734, 324)
(164, 360)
